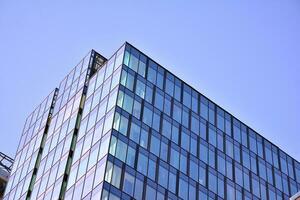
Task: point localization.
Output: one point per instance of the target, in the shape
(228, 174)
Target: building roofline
(212, 101)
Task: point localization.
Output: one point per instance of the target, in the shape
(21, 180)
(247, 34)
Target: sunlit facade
(127, 128)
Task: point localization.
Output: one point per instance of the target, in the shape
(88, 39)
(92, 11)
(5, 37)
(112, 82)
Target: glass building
(127, 128)
(6, 163)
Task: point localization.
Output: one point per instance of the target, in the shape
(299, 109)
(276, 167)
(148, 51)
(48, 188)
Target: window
(150, 193)
(185, 140)
(116, 78)
(211, 116)
(123, 125)
(229, 148)
(227, 124)
(166, 128)
(278, 180)
(236, 130)
(229, 169)
(142, 65)
(195, 121)
(185, 117)
(172, 182)
(221, 164)
(138, 189)
(119, 57)
(202, 174)
(259, 146)
(78, 188)
(237, 153)
(211, 157)
(262, 169)
(147, 116)
(175, 132)
(177, 91)
(269, 174)
(167, 105)
(285, 185)
(155, 145)
(252, 141)
(177, 112)
(135, 132)
(253, 164)
(193, 146)
(169, 89)
(275, 157)
(268, 153)
(128, 184)
(152, 72)
(128, 103)
(187, 96)
(163, 176)
(104, 146)
(290, 167)
(144, 138)
(108, 172)
(163, 150)
(221, 191)
(116, 177)
(220, 119)
(192, 191)
(110, 67)
(100, 77)
(130, 81)
(149, 93)
(283, 163)
(246, 179)
(121, 150)
(238, 175)
(212, 181)
(123, 77)
(230, 191)
(244, 135)
(195, 101)
(137, 109)
(193, 170)
(156, 121)
(174, 158)
(246, 159)
(130, 156)
(212, 137)
(263, 191)
(160, 78)
(203, 107)
(271, 193)
(105, 89)
(255, 186)
(183, 189)
(183, 163)
(133, 61)
(203, 130)
(151, 169)
(142, 164)
(203, 152)
(140, 89)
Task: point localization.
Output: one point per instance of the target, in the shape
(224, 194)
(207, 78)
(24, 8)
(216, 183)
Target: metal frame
(6, 162)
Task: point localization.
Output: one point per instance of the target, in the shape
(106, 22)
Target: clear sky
(243, 55)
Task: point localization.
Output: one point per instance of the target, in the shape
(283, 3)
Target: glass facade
(127, 128)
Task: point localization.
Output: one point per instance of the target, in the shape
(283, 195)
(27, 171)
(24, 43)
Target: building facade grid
(130, 129)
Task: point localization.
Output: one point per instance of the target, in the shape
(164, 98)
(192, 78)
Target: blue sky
(244, 55)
